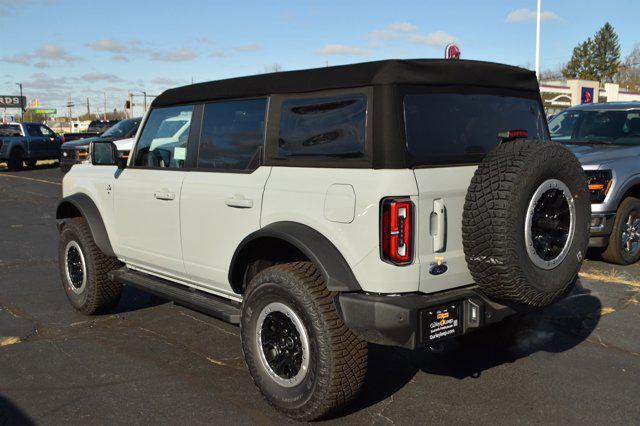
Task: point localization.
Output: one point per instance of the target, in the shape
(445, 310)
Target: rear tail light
(63, 139)
(396, 230)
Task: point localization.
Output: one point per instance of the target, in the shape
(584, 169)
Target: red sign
(452, 51)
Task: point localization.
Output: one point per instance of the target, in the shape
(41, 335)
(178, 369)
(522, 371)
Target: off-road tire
(494, 217)
(100, 294)
(31, 164)
(614, 252)
(338, 359)
(15, 160)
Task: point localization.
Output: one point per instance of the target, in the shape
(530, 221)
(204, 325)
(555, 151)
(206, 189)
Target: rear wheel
(15, 160)
(624, 243)
(84, 269)
(301, 355)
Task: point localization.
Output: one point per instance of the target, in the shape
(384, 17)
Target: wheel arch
(291, 241)
(631, 188)
(81, 205)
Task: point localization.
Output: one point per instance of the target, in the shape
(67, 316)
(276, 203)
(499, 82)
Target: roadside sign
(10, 101)
(452, 51)
(587, 95)
(48, 111)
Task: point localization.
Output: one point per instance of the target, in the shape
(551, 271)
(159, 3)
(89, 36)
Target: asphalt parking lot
(153, 362)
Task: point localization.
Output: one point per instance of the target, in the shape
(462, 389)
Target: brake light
(63, 139)
(396, 230)
(513, 135)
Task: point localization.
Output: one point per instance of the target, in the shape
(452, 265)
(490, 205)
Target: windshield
(121, 129)
(461, 128)
(593, 126)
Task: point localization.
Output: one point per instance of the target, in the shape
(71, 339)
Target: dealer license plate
(442, 322)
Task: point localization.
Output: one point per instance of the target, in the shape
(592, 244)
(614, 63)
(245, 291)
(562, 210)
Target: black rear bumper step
(215, 306)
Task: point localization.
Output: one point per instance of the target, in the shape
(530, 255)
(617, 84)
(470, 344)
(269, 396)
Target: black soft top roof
(392, 71)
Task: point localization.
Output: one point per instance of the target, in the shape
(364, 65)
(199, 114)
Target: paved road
(154, 362)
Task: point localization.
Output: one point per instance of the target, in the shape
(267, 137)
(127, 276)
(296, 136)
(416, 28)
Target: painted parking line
(32, 179)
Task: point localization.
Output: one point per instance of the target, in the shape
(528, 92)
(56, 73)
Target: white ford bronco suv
(398, 202)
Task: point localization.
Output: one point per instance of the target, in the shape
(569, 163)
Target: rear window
(461, 128)
(323, 127)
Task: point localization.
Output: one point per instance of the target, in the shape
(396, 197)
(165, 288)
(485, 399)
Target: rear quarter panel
(308, 195)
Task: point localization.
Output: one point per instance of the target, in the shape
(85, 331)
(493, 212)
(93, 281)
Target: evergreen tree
(595, 59)
(580, 65)
(606, 53)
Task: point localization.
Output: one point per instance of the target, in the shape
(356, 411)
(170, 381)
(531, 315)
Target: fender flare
(632, 181)
(315, 246)
(80, 203)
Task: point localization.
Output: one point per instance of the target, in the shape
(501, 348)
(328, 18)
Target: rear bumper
(400, 320)
(601, 226)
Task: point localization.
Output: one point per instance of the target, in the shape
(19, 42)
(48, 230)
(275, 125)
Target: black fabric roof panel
(392, 71)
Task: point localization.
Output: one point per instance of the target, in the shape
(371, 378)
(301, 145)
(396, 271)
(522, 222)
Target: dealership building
(559, 95)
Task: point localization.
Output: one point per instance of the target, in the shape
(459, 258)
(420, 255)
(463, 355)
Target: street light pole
(21, 103)
(145, 101)
(538, 41)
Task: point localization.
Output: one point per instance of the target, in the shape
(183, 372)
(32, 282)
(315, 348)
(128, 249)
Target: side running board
(215, 306)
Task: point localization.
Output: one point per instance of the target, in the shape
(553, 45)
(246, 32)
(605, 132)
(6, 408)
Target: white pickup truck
(26, 143)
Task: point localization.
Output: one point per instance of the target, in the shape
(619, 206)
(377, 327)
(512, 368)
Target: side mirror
(103, 153)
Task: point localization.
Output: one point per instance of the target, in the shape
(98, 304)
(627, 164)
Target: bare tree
(275, 67)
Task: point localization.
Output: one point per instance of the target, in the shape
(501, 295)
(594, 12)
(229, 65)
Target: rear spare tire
(525, 226)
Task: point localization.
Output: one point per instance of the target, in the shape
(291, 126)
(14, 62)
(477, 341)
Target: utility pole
(145, 101)
(105, 105)
(538, 40)
(88, 110)
(21, 103)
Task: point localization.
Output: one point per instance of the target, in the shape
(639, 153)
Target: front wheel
(84, 270)
(302, 357)
(624, 243)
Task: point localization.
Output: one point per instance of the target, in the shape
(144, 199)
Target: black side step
(215, 306)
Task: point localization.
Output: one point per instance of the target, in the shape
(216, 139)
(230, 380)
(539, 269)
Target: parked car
(95, 128)
(291, 205)
(26, 143)
(77, 151)
(606, 139)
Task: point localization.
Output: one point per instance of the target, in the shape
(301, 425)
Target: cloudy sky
(62, 48)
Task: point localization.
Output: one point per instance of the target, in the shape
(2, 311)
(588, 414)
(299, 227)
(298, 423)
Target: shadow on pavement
(10, 414)
(133, 299)
(555, 329)
(51, 165)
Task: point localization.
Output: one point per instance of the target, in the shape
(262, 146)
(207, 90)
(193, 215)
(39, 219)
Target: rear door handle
(239, 202)
(440, 232)
(163, 195)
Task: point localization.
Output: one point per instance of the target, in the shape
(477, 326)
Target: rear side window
(232, 135)
(461, 128)
(324, 126)
(163, 142)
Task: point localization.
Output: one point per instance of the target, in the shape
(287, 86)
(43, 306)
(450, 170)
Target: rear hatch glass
(461, 126)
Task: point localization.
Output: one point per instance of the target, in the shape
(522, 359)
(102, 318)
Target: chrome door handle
(440, 231)
(239, 202)
(160, 195)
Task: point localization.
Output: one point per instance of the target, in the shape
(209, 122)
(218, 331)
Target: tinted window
(330, 126)
(9, 130)
(606, 126)
(454, 128)
(159, 148)
(232, 134)
(122, 128)
(34, 130)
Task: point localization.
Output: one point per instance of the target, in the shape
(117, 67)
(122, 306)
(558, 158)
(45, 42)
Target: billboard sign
(586, 95)
(48, 111)
(10, 101)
